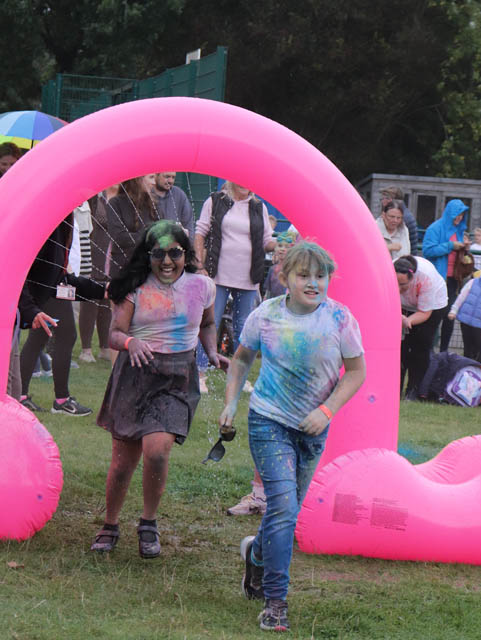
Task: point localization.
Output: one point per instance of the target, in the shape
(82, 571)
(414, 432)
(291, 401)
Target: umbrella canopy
(27, 128)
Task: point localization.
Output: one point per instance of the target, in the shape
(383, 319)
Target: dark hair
(406, 265)
(137, 270)
(139, 197)
(394, 204)
(10, 149)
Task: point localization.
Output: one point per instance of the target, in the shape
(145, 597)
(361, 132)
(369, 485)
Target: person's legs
(420, 344)
(65, 336)
(86, 323)
(275, 457)
(35, 342)
(221, 295)
(243, 303)
(156, 450)
(471, 341)
(448, 325)
(125, 458)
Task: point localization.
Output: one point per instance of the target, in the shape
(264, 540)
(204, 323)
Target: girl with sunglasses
(161, 307)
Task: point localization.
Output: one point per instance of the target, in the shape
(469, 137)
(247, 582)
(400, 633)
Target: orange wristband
(326, 411)
(126, 343)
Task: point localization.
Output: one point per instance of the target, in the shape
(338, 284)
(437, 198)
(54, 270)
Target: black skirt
(161, 396)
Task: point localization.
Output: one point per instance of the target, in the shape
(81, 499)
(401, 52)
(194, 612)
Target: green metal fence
(69, 97)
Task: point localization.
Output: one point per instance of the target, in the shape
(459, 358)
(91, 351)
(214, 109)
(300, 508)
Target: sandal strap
(107, 532)
(148, 527)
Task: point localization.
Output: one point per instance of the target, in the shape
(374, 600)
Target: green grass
(193, 590)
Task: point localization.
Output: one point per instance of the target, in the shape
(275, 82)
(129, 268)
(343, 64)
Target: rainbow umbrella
(27, 128)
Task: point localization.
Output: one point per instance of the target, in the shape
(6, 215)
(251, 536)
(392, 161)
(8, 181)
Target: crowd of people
(155, 284)
(436, 288)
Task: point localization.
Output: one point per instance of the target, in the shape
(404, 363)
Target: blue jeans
(286, 460)
(243, 303)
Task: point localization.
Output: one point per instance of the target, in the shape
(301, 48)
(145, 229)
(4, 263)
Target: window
(425, 210)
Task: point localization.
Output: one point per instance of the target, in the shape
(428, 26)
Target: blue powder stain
(39, 496)
(178, 336)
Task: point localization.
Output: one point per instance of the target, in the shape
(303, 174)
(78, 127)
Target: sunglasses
(218, 450)
(174, 254)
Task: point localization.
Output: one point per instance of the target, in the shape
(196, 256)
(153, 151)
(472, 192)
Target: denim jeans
(243, 303)
(286, 460)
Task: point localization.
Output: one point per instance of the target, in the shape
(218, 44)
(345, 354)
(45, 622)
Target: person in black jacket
(50, 289)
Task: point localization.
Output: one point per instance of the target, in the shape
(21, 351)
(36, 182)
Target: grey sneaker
(30, 404)
(274, 616)
(252, 579)
(70, 407)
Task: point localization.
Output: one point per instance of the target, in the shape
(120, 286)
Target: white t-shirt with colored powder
(301, 356)
(168, 317)
(427, 290)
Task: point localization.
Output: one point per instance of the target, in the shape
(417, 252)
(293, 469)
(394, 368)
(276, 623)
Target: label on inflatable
(388, 514)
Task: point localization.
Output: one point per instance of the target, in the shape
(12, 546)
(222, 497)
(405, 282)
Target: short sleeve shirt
(168, 317)
(301, 356)
(427, 290)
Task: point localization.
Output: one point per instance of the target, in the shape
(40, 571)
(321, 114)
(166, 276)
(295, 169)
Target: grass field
(193, 590)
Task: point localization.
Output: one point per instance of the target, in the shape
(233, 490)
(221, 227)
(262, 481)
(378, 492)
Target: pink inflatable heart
(375, 503)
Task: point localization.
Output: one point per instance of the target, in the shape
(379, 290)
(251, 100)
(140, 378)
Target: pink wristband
(326, 411)
(126, 343)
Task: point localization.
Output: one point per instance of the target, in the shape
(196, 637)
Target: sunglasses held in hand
(226, 433)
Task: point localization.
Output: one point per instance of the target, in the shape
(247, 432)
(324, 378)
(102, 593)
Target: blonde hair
(228, 187)
(306, 253)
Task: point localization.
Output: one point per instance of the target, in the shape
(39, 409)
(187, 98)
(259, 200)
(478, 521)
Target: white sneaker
(248, 388)
(203, 388)
(86, 355)
(249, 505)
(104, 354)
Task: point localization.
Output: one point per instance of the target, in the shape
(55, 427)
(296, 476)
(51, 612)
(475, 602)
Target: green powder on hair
(162, 233)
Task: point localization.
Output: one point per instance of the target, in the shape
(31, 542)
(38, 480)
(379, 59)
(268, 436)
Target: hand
(406, 322)
(457, 245)
(451, 316)
(40, 322)
(227, 417)
(219, 361)
(139, 352)
(395, 246)
(314, 423)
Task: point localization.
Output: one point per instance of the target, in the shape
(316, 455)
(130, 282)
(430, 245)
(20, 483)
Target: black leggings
(448, 325)
(471, 341)
(91, 312)
(64, 336)
(416, 347)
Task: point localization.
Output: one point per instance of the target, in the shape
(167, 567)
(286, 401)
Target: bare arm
(415, 318)
(355, 373)
(238, 372)
(139, 350)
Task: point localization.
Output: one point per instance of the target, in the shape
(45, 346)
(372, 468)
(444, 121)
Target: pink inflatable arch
(375, 503)
(222, 140)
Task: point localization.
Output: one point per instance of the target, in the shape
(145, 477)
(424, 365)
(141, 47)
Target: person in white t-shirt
(424, 298)
(305, 338)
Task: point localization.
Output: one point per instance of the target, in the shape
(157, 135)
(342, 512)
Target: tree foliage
(376, 86)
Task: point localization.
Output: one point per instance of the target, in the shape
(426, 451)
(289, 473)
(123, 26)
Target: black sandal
(148, 548)
(102, 545)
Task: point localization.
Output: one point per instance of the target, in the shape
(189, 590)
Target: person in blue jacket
(443, 238)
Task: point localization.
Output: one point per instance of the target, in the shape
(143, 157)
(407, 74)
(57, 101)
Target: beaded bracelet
(326, 411)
